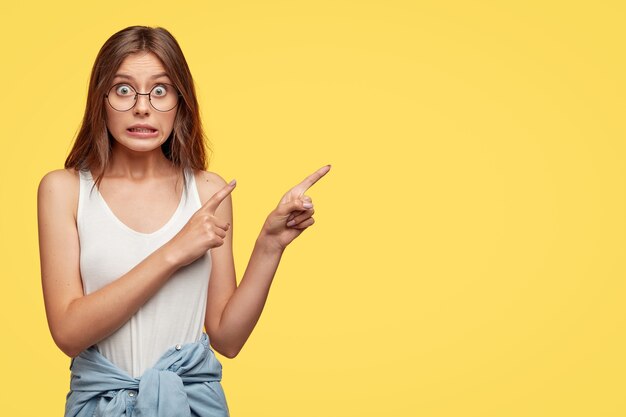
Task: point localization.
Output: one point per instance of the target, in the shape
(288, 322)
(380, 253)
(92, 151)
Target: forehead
(141, 65)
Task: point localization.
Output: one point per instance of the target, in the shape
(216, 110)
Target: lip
(152, 134)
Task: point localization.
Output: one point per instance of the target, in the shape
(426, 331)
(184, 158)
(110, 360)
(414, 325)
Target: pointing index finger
(216, 199)
(310, 180)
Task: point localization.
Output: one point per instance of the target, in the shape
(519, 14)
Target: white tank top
(109, 249)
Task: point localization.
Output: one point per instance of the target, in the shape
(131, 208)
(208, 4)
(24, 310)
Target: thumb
(295, 205)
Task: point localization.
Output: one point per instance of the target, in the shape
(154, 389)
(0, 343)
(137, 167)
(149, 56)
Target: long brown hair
(185, 147)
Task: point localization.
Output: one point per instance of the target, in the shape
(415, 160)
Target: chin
(141, 145)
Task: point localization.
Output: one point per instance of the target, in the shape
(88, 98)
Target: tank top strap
(86, 202)
(192, 190)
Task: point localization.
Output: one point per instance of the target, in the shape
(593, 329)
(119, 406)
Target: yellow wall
(468, 253)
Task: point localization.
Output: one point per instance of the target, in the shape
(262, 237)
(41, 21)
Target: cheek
(115, 123)
(169, 122)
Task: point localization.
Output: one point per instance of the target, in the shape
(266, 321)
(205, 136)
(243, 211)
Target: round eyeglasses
(162, 97)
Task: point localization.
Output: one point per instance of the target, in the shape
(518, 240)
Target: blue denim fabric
(185, 382)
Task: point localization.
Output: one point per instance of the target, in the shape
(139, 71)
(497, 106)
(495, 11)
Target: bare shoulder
(208, 183)
(60, 178)
(58, 190)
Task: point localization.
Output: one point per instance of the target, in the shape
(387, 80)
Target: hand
(202, 231)
(293, 214)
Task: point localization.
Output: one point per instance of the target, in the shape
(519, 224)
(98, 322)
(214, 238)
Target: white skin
(140, 68)
(137, 172)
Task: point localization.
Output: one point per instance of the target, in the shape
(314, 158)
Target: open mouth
(141, 130)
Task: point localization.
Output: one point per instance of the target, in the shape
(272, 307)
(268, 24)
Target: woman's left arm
(233, 311)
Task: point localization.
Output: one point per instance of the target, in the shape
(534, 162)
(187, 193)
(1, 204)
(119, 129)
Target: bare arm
(243, 310)
(77, 321)
(232, 312)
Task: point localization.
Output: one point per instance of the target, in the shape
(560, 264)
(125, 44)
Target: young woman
(136, 243)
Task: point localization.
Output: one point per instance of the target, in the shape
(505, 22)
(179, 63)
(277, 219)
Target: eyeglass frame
(137, 93)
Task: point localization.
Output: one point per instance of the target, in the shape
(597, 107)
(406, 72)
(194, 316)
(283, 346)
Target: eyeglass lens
(163, 97)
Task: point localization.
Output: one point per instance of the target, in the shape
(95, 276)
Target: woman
(136, 243)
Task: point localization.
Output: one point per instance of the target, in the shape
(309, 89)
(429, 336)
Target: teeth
(141, 129)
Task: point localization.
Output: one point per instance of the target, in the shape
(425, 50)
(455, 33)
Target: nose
(143, 104)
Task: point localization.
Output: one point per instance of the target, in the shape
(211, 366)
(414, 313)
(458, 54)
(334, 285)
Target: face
(142, 128)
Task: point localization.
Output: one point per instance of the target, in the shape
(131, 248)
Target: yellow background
(468, 253)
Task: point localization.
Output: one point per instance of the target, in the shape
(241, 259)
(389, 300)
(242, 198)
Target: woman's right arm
(77, 321)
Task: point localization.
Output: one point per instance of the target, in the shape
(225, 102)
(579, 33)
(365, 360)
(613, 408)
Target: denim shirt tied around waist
(184, 382)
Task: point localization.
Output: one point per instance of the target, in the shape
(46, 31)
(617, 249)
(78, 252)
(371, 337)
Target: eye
(124, 90)
(159, 90)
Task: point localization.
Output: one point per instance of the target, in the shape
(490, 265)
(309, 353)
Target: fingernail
(291, 223)
(233, 182)
(307, 205)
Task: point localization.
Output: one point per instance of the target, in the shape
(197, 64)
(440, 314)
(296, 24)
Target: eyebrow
(161, 74)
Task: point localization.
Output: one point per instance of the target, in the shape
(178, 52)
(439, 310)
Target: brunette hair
(185, 147)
